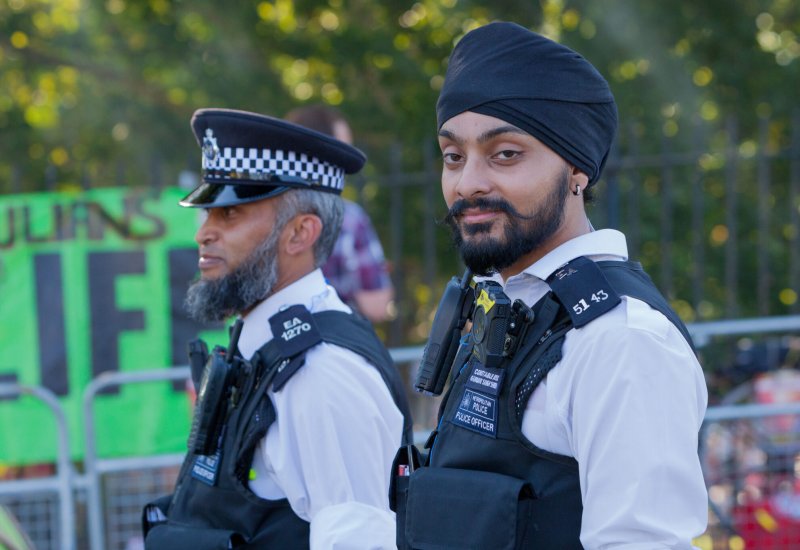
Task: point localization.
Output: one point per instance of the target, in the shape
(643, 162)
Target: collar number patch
(583, 289)
(295, 329)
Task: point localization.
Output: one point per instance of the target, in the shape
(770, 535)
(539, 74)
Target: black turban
(508, 72)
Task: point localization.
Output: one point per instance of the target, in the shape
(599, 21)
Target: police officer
(298, 419)
(585, 434)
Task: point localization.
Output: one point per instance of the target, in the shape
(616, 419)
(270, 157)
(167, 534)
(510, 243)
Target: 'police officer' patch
(205, 468)
(477, 412)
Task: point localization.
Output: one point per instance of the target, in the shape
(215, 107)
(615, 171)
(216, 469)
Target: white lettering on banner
(483, 424)
(474, 402)
(483, 382)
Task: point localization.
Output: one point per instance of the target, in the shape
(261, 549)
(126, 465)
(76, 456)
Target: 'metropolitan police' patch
(477, 412)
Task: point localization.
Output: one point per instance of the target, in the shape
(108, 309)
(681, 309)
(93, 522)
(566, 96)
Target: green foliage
(103, 91)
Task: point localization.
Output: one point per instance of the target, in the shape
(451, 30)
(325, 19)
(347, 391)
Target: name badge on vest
(477, 410)
(205, 468)
(485, 379)
(584, 291)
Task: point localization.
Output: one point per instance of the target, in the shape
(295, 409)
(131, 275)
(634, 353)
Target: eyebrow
(486, 136)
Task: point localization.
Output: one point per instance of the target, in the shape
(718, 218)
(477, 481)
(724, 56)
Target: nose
(473, 180)
(207, 231)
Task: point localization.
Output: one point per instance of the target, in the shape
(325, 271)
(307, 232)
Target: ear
(578, 178)
(301, 233)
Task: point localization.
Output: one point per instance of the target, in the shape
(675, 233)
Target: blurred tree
(102, 91)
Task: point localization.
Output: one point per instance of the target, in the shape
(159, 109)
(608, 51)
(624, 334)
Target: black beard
(212, 300)
(523, 234)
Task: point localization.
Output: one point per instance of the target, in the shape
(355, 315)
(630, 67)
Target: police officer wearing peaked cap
(311, 408)
(584, 435)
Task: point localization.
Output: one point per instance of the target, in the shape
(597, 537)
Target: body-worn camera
(209, 413)
(497, 324)
(490, 320)
(214, 395)
(497, 328)
(198, 357)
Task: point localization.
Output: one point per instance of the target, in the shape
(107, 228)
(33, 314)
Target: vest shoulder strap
(342, 329)
(630, 279)
(584, 290)
(590, 289)
(296, 330)
(618, 278)
(354, 333)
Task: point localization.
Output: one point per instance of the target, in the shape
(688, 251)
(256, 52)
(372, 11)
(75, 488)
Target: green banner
(92, 282)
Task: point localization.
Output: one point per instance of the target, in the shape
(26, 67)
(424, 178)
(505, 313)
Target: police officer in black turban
(574, 405)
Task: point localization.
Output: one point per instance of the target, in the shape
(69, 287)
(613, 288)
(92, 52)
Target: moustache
(495, 204)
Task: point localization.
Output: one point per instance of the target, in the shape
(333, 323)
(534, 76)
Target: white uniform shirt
(626, 401)
(337, 429)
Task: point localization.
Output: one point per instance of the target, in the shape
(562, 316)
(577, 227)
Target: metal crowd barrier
(61, 484)
(95, 467)
(751, 462)
(703, 332)
(113, 522)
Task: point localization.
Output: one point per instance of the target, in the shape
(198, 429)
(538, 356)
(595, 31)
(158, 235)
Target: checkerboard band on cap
(240, 165)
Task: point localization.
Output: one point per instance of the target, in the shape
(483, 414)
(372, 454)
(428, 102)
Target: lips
(473, 215)
(209, 261)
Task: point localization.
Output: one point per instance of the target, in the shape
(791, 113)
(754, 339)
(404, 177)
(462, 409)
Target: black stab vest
(202, 516)
(547, 499)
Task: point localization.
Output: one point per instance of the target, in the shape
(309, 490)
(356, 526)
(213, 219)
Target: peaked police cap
(248, 157)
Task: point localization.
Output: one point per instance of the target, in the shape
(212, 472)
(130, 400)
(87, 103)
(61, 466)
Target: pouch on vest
(442, 501)
(406, 462)
(192, 537)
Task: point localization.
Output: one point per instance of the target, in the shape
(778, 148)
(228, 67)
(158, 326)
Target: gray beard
(214, 300)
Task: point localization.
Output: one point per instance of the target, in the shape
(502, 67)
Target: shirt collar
(604, 244)
(256, 329)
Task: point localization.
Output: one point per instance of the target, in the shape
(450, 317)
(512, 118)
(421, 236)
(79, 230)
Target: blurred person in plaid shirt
(356, 268)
